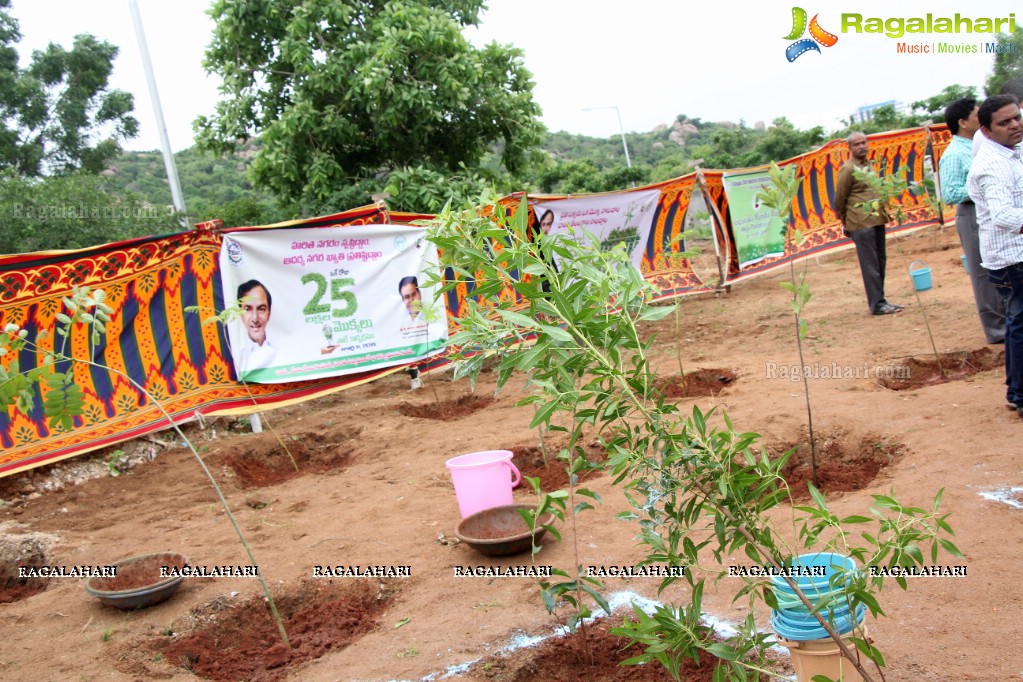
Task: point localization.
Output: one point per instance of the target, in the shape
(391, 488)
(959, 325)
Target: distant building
(866, 113)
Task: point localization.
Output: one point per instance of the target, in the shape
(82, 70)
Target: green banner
(757, 230)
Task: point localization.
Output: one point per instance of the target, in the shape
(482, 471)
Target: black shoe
(896, 306)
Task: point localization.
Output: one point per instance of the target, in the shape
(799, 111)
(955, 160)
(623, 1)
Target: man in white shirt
(995, 183)
(256, 352)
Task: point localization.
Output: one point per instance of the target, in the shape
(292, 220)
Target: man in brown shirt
(864, 228)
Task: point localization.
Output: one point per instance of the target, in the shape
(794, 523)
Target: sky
(652, 59)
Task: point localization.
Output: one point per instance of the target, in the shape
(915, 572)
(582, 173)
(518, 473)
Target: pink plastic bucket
(483, 480)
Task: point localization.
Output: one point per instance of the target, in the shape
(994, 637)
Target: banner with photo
(757, 230)
(320, 302)
(621, 218)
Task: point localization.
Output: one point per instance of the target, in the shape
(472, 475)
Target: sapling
(492, 326)
(63, 397)
(430, 314)
(225, 317)
(689, 253)
(778, 196)
(698, 493)
(890, 189)
(117, 463)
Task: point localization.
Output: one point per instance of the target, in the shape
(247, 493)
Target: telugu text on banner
(622, 218)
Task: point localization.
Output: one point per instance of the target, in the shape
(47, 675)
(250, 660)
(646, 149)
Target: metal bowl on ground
(500, 531)
(138, 582)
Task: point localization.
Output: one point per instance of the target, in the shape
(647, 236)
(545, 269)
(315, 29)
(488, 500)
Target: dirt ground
(372, 489)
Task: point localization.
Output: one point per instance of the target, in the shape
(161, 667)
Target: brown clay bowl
(138, 582)
(500, 531)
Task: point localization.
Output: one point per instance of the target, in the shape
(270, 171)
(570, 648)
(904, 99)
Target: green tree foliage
(425, 189)
(783, 141)
(213, 187)
(244, 212)
(1008, 64)
(933, 108)
(58, 115)
(346, 92)
(728, 147)
(73, 211)
(585, 177)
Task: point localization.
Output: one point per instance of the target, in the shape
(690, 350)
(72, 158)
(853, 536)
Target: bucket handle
(914, 263)
(515, 473)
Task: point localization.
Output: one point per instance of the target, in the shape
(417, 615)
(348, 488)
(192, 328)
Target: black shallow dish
(500, 531)
(160, 589)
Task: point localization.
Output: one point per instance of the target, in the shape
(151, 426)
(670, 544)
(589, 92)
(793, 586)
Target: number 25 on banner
(338, 293)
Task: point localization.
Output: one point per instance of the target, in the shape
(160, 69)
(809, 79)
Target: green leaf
(949, 547)
(557, 333)
(856, 519)
(516, 318)
(723, 651)
(655, 313)
(543, 414)
(817, 496)
(581, 507)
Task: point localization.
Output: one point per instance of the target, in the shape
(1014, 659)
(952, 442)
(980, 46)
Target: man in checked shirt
(961, 117)
(995, 183)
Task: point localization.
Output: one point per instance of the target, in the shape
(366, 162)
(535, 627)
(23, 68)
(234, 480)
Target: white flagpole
(168, 157)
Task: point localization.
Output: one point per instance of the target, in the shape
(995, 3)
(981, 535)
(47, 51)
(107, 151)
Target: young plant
(890, 189)
(117, 463)
(698, 493)
(62, 397)
(430, 314)
(778, 196)
(689, 253)
(225, 317)
(495, 325)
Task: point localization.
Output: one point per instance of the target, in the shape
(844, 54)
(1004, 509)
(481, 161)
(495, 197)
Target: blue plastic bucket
(966, 266)
(921, 276)
(799, 632)
(804, 618)
(788, 601)
(827, 564)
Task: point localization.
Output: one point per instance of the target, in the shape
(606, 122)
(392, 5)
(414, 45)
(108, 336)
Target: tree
(58, 115)
(73, 211)
(586, 177)
(783, 141)
(934, 107)
(243, 212)
(728, 148)
(348, 91)
(1008, 62)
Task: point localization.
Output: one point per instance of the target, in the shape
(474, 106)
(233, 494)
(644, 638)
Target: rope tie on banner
(380, 201)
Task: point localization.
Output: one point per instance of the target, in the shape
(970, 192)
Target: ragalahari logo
(818, 35)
